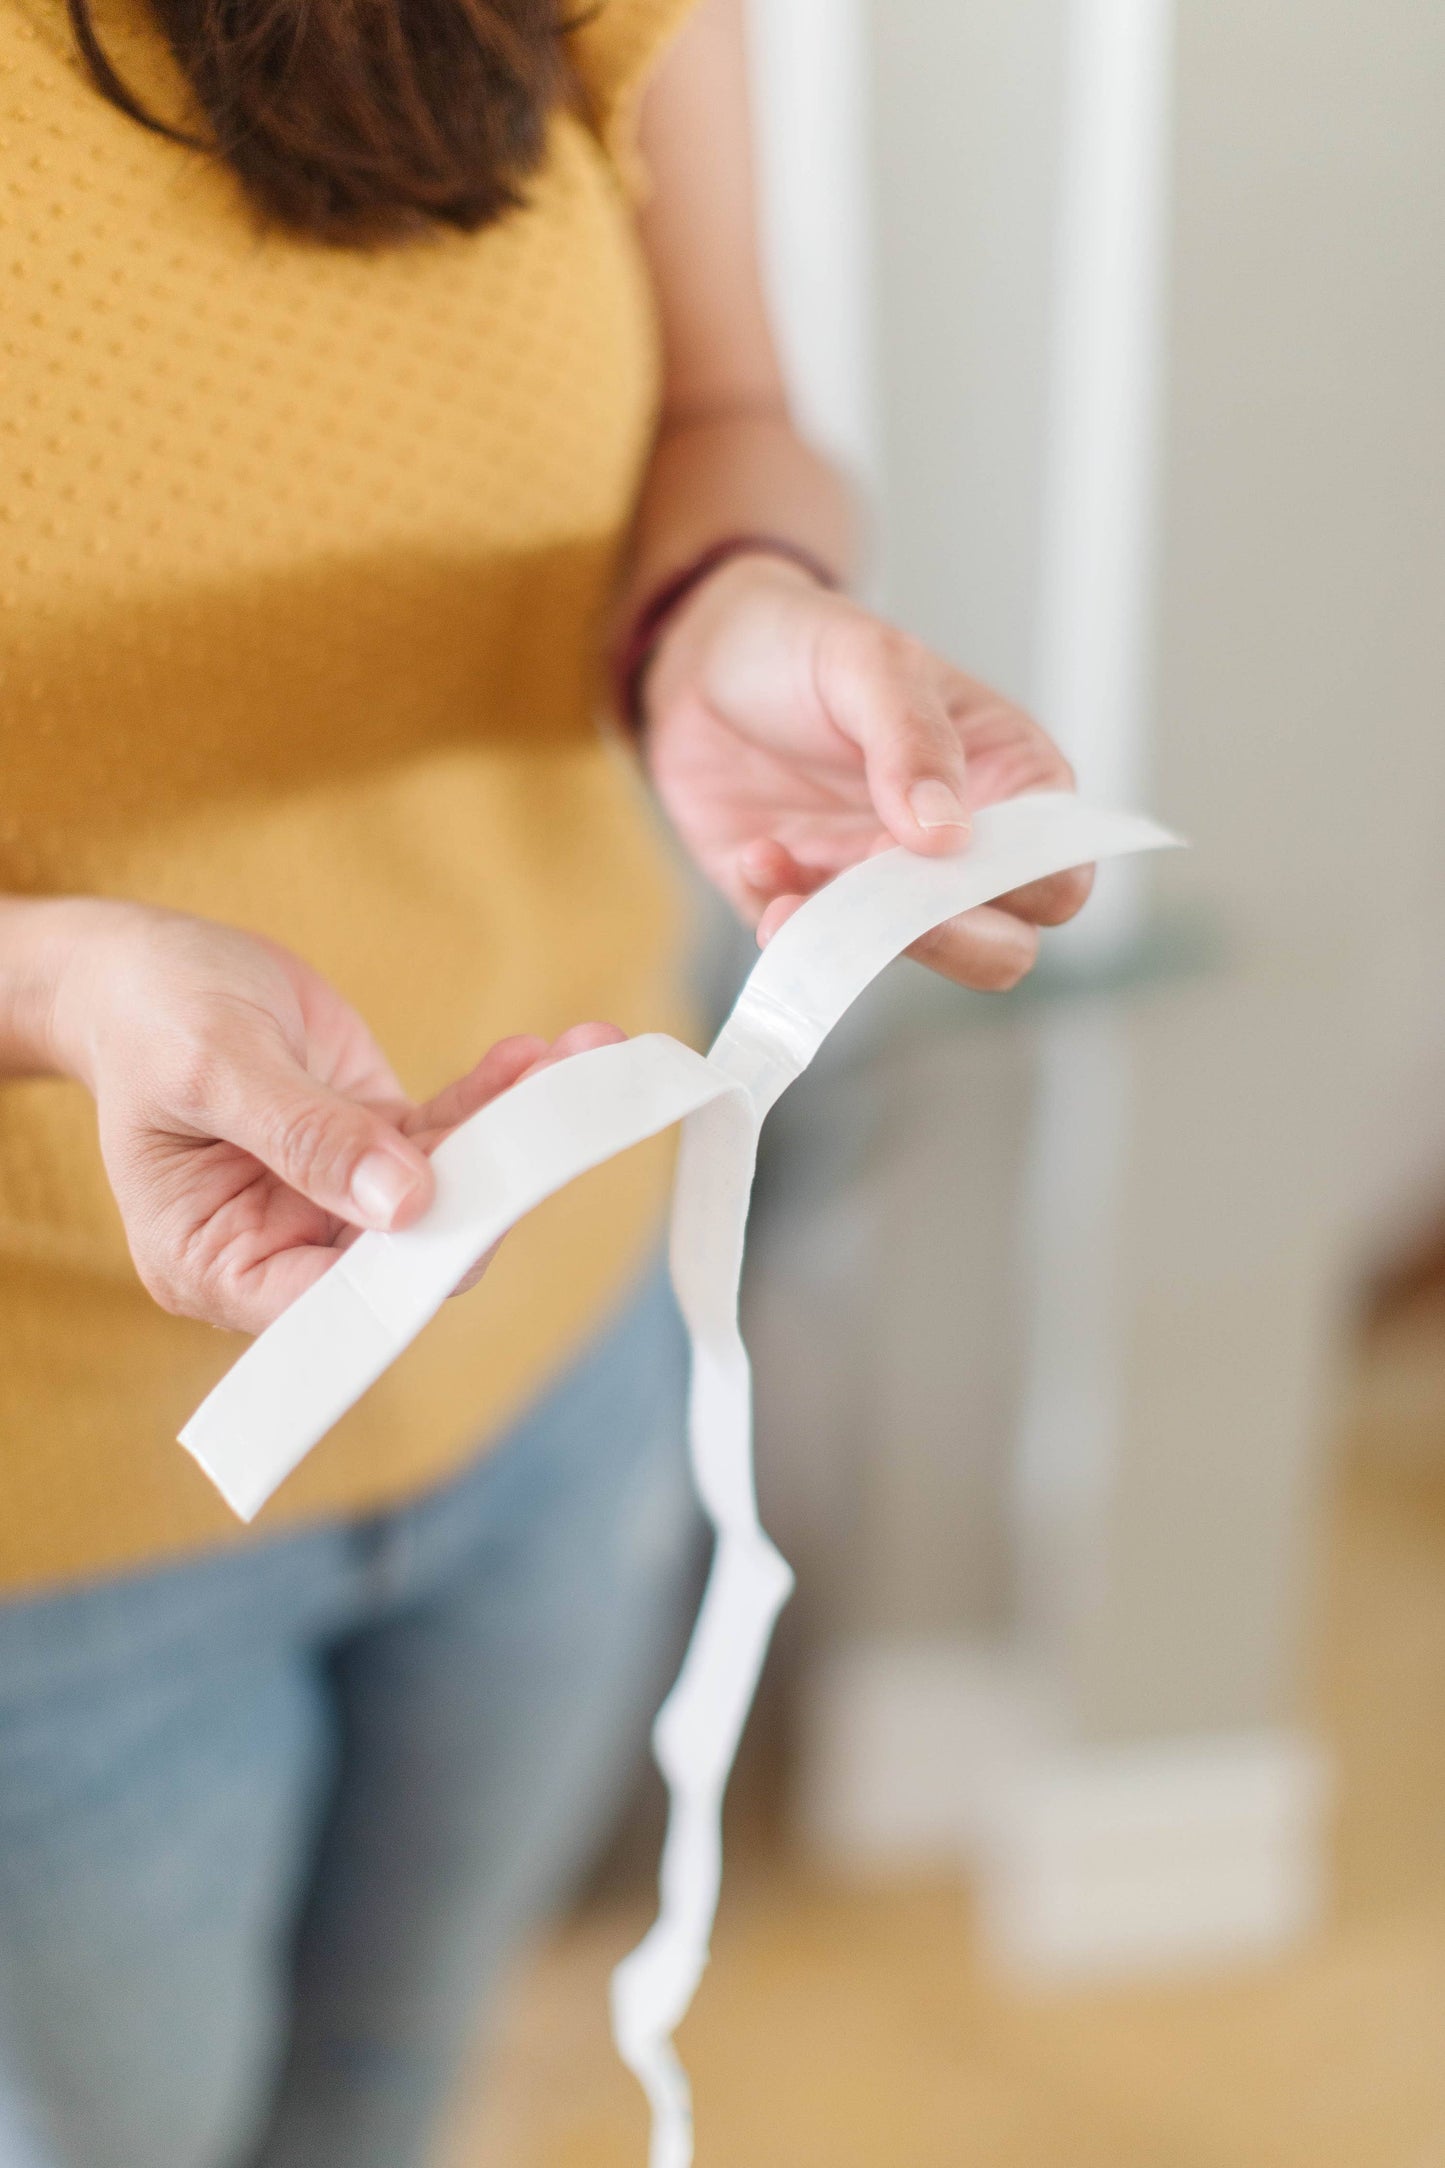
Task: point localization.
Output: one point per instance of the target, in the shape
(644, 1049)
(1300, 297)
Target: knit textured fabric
(305, 555)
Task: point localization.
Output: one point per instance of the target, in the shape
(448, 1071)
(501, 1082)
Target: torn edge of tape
(317, 1360)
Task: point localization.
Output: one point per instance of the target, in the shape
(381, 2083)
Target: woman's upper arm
(699, 224)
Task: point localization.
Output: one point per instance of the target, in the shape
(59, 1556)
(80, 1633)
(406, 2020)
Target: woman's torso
(304, 555)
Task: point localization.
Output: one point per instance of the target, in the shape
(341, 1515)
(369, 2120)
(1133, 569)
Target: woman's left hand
(790, 734)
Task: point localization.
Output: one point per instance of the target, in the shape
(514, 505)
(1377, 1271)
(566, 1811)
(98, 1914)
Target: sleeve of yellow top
(615, 48)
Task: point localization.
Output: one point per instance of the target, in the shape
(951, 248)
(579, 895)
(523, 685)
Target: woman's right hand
(250, 1123)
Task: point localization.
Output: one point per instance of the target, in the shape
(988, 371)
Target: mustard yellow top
(304, 556)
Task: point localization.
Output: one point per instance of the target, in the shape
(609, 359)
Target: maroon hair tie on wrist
(643, 637)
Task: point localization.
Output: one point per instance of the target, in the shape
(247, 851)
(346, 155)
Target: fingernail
(934, 805)
(380, 1187)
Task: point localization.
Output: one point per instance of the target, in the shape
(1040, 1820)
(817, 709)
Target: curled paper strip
(302, 1375)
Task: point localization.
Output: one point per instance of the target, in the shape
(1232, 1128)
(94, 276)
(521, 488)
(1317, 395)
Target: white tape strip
(303, 1374)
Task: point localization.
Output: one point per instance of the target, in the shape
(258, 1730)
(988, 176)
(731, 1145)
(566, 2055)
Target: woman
(354, 383)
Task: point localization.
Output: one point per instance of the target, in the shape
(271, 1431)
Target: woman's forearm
(730, 473)
(729, 460)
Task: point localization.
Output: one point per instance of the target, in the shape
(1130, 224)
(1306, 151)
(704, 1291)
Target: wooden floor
(848, 2028)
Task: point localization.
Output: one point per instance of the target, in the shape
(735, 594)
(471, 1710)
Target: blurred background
(1095, 1812)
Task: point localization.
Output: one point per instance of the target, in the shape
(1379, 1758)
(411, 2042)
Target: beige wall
(1303, 680)
(1284, 1115)
(1301, 683)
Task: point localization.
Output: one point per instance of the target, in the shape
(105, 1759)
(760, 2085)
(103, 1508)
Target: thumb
(882, 691)
(345, 1157)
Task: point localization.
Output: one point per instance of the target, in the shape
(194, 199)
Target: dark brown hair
(362, 120)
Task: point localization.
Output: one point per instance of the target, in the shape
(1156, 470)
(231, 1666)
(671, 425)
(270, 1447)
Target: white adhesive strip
(302, 1375)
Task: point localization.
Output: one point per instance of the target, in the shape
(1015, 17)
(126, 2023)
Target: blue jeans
(272, 1823)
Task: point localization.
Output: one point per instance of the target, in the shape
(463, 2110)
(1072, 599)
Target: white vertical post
(1096, 594)
(1094, 652)
(811, 105)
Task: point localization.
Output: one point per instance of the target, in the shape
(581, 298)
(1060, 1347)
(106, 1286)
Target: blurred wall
(965, 118)
(1301, 632)
(812, 104)
(1302, 625)
(1267, 1128)
(1304, 605)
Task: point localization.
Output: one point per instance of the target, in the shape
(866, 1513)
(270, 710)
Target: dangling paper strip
(316, 1361)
